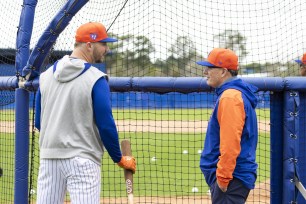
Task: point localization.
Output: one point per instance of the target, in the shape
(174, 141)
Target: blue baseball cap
(301, 61)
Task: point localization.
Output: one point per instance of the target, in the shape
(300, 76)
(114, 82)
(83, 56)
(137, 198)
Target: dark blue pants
(236, 193)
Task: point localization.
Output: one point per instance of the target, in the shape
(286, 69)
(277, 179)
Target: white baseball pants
(80, 177)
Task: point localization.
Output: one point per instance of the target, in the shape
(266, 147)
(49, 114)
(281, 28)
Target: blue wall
(173, 100)
(152, 100)
(141, 99)
(7, 70)
(169, 100)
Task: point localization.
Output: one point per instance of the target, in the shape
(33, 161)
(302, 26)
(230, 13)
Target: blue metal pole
(301, 162)
(291, 148)
(21, 146)
(276, 141)
(24, 34)
(48, 38)
(22, 103)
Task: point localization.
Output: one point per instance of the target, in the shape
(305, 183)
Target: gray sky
(273, 28)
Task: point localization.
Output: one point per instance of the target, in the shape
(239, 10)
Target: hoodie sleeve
(37, 109)
(104, 119)
(231, 118)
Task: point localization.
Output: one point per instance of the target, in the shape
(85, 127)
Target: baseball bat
(128, 174)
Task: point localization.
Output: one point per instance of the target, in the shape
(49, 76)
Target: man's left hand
(223, 189)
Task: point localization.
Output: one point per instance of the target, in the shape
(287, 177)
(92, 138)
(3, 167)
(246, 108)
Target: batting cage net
(161, 41)
(166, 38)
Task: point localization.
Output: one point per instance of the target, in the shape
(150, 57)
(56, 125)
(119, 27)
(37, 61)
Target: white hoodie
(68, 128)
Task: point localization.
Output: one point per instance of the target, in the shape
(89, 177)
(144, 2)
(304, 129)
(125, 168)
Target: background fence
(167, 143)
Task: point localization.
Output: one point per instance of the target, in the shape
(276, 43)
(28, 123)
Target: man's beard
(100, 60)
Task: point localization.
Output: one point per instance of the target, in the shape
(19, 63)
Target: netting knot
(53, 32)
(66, 13)
(32, 67)
(40, 50)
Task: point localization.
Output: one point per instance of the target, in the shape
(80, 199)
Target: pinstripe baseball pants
(80, 177)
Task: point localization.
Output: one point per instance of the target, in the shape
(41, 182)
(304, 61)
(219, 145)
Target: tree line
(131, 56)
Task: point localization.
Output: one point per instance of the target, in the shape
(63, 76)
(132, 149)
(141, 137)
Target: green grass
(7, 115)
(154, 114)
(263, 157)
(162, 114)
(263, 114)
(7, 165)
(173, 173)
(174, 114)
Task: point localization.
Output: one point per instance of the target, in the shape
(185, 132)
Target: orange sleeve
(231, 118)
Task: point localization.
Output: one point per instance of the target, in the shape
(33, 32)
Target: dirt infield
(159, 126)
(178, 200)
(260, 195)
(172, 126)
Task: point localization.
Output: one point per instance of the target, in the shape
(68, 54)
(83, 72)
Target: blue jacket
(231, 137)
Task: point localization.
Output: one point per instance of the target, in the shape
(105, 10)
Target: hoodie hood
(69, 68)
(248, 90)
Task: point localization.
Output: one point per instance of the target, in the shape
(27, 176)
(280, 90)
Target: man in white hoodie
(74, 117)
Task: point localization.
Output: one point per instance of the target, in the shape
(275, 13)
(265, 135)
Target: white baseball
(195, 190)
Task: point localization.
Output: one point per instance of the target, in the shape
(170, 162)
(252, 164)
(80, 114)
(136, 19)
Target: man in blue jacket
(302, 64)
(228, 159)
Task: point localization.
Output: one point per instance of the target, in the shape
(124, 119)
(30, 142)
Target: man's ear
(89, 45)
(224, 72)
